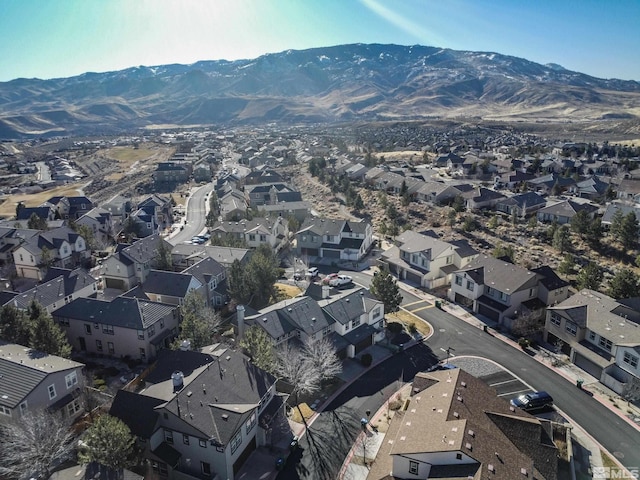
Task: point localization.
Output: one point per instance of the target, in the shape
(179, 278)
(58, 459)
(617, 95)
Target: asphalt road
(196, 215)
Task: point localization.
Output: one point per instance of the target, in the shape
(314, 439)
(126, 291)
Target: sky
(61, 38)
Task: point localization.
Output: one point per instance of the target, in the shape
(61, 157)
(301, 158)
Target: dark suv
(533, 401)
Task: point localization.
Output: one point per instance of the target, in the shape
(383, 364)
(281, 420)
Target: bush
(394, 327)
(395, 405)
(523, 342)
(366, 359)
(412, 328)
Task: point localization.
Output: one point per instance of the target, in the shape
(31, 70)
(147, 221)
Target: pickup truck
(340, 281)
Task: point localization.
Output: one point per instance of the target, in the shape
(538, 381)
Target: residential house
(500, 290)
(71, 207)
(512, 180)
(522, 204)
(629, 189)
(33, 380)
(172, 172)
(130, 264)
(185, 255)
(59, 287)
(145, 222)
(352, 319)
(60, 247)
(601, 335)
(45, 212)
(545, 184)
(592, 188)
(265, 193)
(170, 287)
(233, 205)
(100, 222)
(160, 207)
(562, 212)
(201, 415)
(94, 471)
(426, 261)
(213, 276)
(472, 434)
(298, 210)
(255, 232)
(612, 208)
(482, 198)
(440, 193)
(10, 238)
(122, 327)
(340, 240)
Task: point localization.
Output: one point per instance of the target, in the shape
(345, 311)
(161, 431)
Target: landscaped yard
(407, 318)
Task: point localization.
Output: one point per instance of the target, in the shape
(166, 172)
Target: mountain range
(345, 83)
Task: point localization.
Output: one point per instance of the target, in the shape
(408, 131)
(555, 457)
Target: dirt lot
(8, 206)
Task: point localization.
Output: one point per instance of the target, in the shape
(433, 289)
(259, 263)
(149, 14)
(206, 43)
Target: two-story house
(100, 222)
(131, 263)
(10, 238)
(170, 287)
(562, 212)
(426, 261)
(32, 380)
(500, 290)
(352, 319)
(59, 287)
(255, 232)
(457, 427)
(342, 240)
(201, 415)
(122, 327)
(161, 209)
(213, 276)
(60, 247)
(71, 207)
(184, 255)
(601, 335)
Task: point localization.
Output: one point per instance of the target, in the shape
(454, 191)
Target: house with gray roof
(185, 255)
(47, 213)
(522, 204)
(613, 207)
(33, 380)
(258, 231)
(472, 434)
(481, 198)
(441, 193)
(601, 335)
(334, 239)
(592, 188)
(170, 287)
(11, 238)
(425, 260)
(563, 211)
(59, 287)
(123, 327)
(60, 247)
(100, 222)
(298, 210)
(130, 264)
(351, 318)
(213, 276)
(201, 415)
(501, 290)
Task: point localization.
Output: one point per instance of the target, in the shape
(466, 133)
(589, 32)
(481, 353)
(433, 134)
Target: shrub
(395, 405)
(366, 359)
(394, 327)
(523, 342)
(412, 328)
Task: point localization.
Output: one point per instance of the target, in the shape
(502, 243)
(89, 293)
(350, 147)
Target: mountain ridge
(326, 84)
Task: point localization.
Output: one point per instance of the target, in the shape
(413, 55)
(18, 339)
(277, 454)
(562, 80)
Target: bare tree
(322, 356)
(528, 323)
(294, 367)
(33, 444)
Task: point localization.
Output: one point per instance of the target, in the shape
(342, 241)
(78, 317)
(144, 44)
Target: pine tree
(625, 284)
(385, 288)
(561, 239)
(109, 442)
(590, 277)
(258, 345)
(629, 231)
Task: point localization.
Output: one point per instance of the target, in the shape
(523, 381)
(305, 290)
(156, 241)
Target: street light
(448, 350)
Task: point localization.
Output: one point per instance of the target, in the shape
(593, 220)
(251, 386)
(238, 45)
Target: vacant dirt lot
(8, 206)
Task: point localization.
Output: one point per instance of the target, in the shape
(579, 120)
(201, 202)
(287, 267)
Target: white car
(340, 281)
(313, 272)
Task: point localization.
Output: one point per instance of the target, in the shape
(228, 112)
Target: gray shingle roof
(161, 282)
(57, 284)
(503, 276)
(120, 312)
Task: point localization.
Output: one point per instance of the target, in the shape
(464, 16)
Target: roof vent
(225, 416)
(523, 471)
(491, 468)
(456, 414)
(472, 433)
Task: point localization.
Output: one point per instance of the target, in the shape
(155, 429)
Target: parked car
(313, 272)
(533, 401)
(340, 281)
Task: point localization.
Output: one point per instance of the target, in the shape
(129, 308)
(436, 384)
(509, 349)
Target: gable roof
(120, 312)
(23, 369)
(503, 276)
(173, 284)
(56, 285)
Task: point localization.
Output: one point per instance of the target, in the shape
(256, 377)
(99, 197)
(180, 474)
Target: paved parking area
(506, 384)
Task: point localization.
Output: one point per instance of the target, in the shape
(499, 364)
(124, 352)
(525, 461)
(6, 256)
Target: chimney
(240, 318)
(178, 380)
(325, 291)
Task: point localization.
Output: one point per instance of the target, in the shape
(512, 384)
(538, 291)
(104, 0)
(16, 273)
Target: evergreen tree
(594, 233)
(458, 203)
(164, 260)
(261, 275)
(501, 251)
(46, 335)
(385, 288)
(590, 277)
(625, 284)
(239, 290)
(36, 223)
(580, 222)
(199, 322)
(109, 442)
(561, 239)
(616, 224)
(629, 231)
(258, 346)
(567, 265)
(14, 326)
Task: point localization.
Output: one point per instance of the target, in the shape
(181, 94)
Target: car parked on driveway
(340, 281)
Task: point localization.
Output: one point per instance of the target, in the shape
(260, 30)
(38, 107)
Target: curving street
(196, 214)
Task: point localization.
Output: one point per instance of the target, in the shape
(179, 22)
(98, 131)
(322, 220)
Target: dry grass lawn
(8, 206)
(289, 291)
(407, 319)
(306, 411)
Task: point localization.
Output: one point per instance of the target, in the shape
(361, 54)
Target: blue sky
(60, 38)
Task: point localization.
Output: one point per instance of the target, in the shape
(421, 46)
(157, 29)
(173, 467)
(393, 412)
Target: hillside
(334, 84)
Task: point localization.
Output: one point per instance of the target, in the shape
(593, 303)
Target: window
(143, 354)
(185, 439)
(592, 336)
(504, 297)
(355, 322)
(263, 238)
(490, 291)
(108, 329)
(168, 436)
(5, 411)
(220, 448)
(413, 467)
(251, 422)
(571, 327)
(206, 468)
(469, 285)
(151, 331)
(252, 238)
(236, 441)
(203, 443)
(140, 334)
(376, 312)
(630, 359)
(23, 408)
(87, 329)
(555, 319)
(458, 280)
(458, 456)
(71, 379)
(63, 322)
(52, 392)
(73, 407)
(604, 343)
(110, 348)
(99, 345)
